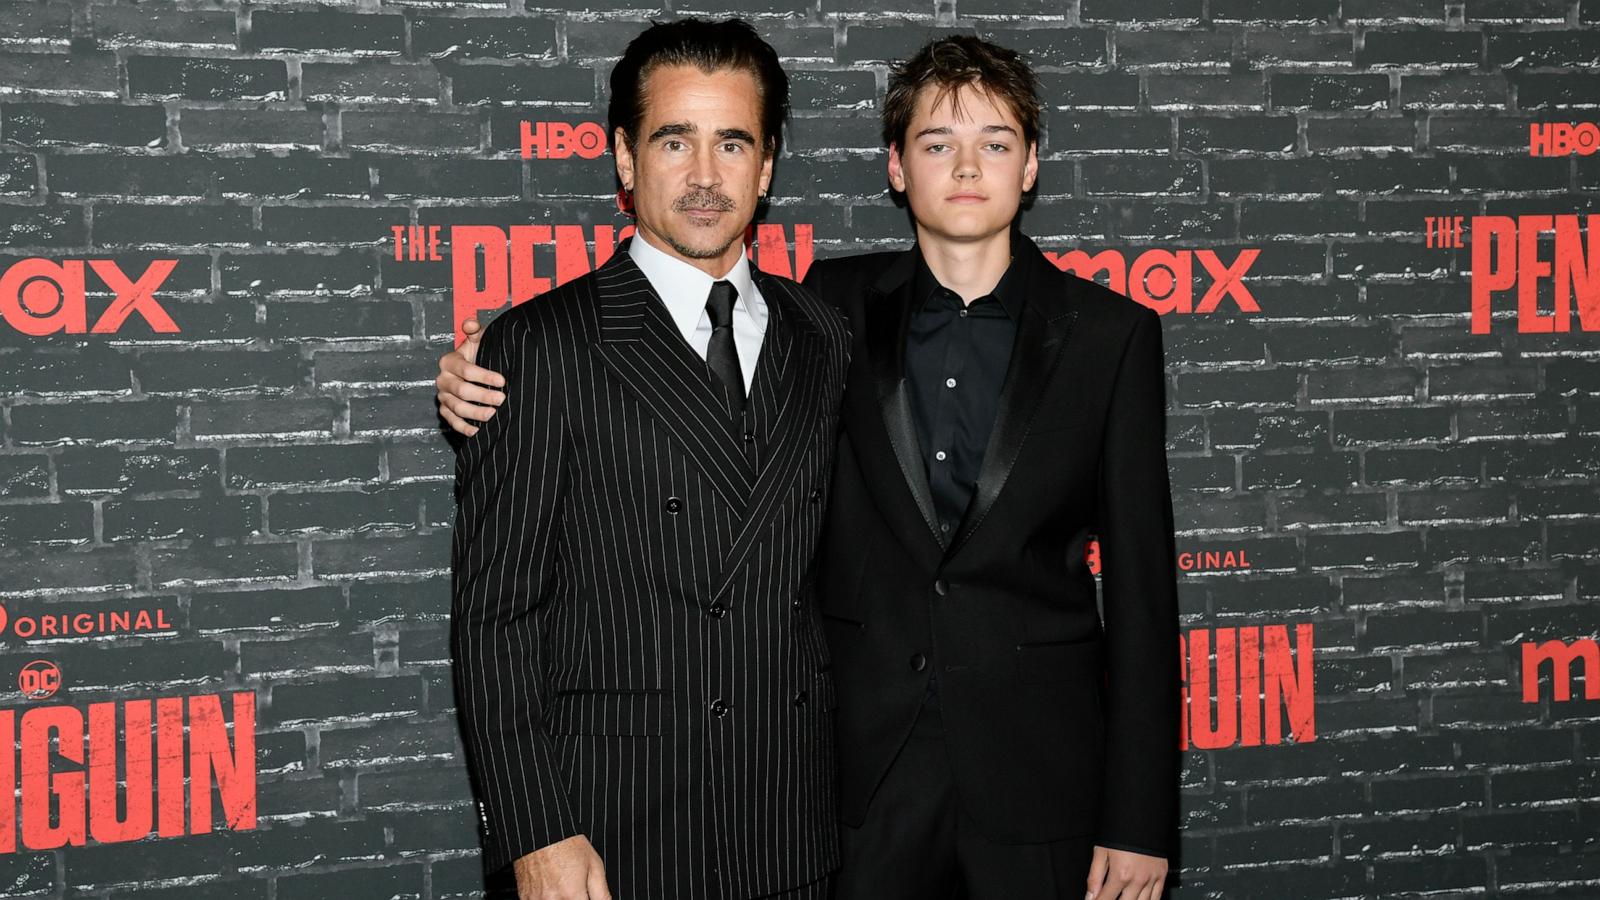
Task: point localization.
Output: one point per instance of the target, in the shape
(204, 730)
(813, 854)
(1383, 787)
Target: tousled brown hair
(950, 63)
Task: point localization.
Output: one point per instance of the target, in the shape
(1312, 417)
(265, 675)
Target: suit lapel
(643, 348)
(1046, 325)
(787, 388)
(887, 316)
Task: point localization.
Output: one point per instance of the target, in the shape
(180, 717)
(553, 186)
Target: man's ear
(897, 174)
(1030, 172)
(624, 152)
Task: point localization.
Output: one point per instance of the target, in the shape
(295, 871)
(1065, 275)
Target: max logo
(558, 140)
(40, 296)
(1164, 279)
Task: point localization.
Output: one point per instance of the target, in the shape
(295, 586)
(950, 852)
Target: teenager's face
(963, 170)
(699, 167)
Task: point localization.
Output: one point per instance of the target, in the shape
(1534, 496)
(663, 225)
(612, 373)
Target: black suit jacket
(637, 656)
(1057, 724)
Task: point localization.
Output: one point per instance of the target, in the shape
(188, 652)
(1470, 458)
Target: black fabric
(1058, 724)
(917, 843)
(956, 360)
(633, 628)
(722, 354)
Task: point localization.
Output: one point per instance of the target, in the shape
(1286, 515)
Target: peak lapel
(1045, 328)
(643, 348)
(793, 397)
(888, 313)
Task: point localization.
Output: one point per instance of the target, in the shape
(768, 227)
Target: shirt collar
(684, 288)
(1011, 291)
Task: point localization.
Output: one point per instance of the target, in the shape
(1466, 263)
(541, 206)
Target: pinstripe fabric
(626, 565)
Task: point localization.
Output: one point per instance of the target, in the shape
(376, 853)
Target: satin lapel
(888, 313)
(643, 348)
(1046, 325)
(797, 396)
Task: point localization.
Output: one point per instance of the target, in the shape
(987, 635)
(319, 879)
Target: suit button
(719, 708)
(816, 494)
(800, 699)
(749, 437)
(717, 611)
(674, 505)
(918, 662)
(941, 587)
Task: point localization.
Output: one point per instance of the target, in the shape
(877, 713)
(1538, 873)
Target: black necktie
(722, 355)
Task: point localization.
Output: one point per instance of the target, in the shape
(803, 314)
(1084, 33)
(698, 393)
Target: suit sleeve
(1134, 512)
(509, 485)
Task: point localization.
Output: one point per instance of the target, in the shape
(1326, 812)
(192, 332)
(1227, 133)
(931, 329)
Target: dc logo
(40, 296)
(39, 679)
(558, 140)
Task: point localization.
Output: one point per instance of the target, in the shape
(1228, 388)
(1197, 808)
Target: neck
(715, 266)
(970, 268)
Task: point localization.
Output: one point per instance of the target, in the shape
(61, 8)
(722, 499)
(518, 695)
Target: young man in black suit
(998, 736)
(642, 684)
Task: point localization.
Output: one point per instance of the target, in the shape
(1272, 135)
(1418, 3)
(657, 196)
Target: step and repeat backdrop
(235, 238)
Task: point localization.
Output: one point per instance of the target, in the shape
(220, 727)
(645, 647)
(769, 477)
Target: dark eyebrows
(679, 129)
(672, 129)
(945, 131)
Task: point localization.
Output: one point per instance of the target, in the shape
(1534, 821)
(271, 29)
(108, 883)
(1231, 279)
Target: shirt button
(918, 662)
(939, 456)
(944, 526)
(717, 611)
(719, 708)
(949, 382)
(941, 587)
(674, 505)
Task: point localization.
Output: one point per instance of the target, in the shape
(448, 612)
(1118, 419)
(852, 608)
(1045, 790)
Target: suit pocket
(607, 712)
(1054, 662)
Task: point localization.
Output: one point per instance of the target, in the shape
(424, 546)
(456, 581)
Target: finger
(460, 365)
(472, 412)
(449, 385)
(471, 327)
(1112, 889)
(1097, 871)
(597, 883)
(1152, 891)
(456, 422)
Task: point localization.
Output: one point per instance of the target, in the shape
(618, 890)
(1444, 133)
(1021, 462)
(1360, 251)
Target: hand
(461, 401)
(565, 870)
(1123, 874)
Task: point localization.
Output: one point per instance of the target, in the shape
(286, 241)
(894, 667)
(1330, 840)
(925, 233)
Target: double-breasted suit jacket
(1057, 724)
(637, 656)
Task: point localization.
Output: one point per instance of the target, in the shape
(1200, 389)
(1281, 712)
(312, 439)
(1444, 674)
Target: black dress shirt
(956, 360)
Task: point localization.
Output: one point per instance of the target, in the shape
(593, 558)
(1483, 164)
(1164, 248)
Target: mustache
(703, 199)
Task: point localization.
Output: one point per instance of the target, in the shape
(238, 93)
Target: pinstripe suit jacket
(637, 657)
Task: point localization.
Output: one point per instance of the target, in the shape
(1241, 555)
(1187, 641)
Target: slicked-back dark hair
(708, 46)
(948, 64)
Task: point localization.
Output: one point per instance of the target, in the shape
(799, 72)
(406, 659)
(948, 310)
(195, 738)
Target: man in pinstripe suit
(641, 680)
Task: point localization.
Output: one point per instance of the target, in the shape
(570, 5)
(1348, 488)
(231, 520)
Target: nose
(967, 167)
(703, 172)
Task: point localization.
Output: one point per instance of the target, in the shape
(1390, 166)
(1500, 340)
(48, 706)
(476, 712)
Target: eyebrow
(944, 130)
(676, 129)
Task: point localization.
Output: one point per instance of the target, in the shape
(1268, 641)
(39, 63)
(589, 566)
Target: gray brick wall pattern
(273, 480)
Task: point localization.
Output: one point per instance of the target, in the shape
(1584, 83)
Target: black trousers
(917, 844)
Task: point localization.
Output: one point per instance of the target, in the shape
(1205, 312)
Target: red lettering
(1226, 730)
(104, 823)
(1562, 656)
(52, 802)
(1289, 683)
(1494, 264)
(210, 757)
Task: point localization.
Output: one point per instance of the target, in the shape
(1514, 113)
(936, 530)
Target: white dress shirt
(684, 289)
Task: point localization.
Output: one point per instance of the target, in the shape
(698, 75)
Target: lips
(966, 198)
